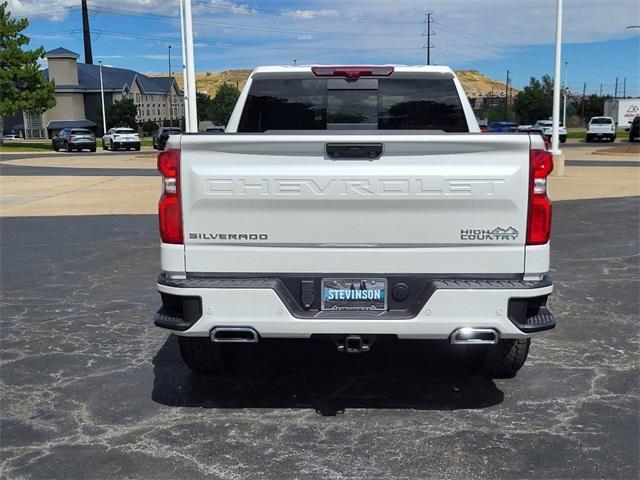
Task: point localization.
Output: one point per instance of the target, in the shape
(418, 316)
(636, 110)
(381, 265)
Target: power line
(247, 27)
(164, 39)
(294, 14)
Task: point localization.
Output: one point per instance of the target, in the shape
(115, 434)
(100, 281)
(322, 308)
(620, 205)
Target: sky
(491, 36)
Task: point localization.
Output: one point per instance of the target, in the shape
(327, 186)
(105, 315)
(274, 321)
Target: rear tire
(502, 360)
(202, 355)
(588, 139)
(67, 147)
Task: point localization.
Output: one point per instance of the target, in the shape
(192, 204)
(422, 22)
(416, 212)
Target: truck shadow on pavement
(308, 374)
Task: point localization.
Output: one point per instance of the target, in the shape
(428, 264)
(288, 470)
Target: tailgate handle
(354, 151)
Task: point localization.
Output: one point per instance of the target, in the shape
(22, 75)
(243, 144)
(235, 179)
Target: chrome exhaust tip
(234, 335)
(475, 336)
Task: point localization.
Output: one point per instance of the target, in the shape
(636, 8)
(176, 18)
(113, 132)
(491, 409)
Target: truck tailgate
(438, 203)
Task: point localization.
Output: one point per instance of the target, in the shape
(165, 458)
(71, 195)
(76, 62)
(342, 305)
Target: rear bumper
(126, 144)
(194, 306)
(83, 144)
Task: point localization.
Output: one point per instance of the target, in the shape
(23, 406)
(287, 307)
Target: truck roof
(397, 68)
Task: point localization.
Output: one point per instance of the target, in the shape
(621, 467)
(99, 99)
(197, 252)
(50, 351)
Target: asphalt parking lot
(91, 389)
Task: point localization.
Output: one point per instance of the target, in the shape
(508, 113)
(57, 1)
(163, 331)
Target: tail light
(353, 72)
(539, 216)
(169, 208)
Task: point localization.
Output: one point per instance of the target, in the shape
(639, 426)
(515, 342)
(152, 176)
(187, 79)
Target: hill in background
(475, 83)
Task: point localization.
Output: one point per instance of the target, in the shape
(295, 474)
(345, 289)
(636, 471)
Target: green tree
(222, 104)
(594, 106)
(203, 103)
(535, 102)
(494, 113)
(22, 85)
(149, 128)
(120, 113)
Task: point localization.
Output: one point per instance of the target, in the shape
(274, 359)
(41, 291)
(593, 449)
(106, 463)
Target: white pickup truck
(353, 203)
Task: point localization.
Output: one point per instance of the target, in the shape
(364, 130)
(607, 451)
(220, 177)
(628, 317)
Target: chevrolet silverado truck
(350, 203)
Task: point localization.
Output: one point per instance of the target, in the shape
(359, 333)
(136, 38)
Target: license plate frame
(369, 301)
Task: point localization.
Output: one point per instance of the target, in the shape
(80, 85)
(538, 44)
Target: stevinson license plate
(365, 294)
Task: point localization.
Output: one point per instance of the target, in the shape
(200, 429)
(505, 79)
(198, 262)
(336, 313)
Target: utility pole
(506, 97)
(600, 88)
(86, 33)
(427, 33)
(624, 88)
(615, 95)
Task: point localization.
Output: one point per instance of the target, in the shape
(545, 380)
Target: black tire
(202, 355)
(502, 360)
(53, 146)
(92, 149)
(613, 139)
(137, 149)
(67, 147)
(104, 147)
(588, 139)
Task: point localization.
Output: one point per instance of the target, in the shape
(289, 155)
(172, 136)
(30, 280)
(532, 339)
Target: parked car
(214, 129)
(503, 127)
(601, 128)
(162, 135)
(546, 130)
(634, 130)
(70, 139)
(290, 235)
(532, 129)
(11, 137)
(121, 137)
(484, 129)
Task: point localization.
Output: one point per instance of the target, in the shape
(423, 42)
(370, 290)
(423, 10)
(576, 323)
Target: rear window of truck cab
(363, 104)
(601, 121)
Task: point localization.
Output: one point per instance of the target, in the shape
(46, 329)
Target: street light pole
(555, 137)
(185, 86)
(564, 90)
(104, 116)
(170, 109)
(191, 70)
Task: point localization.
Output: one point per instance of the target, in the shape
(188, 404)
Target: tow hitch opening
(354, 343)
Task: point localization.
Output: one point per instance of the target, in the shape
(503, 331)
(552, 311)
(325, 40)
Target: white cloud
(309, 14)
